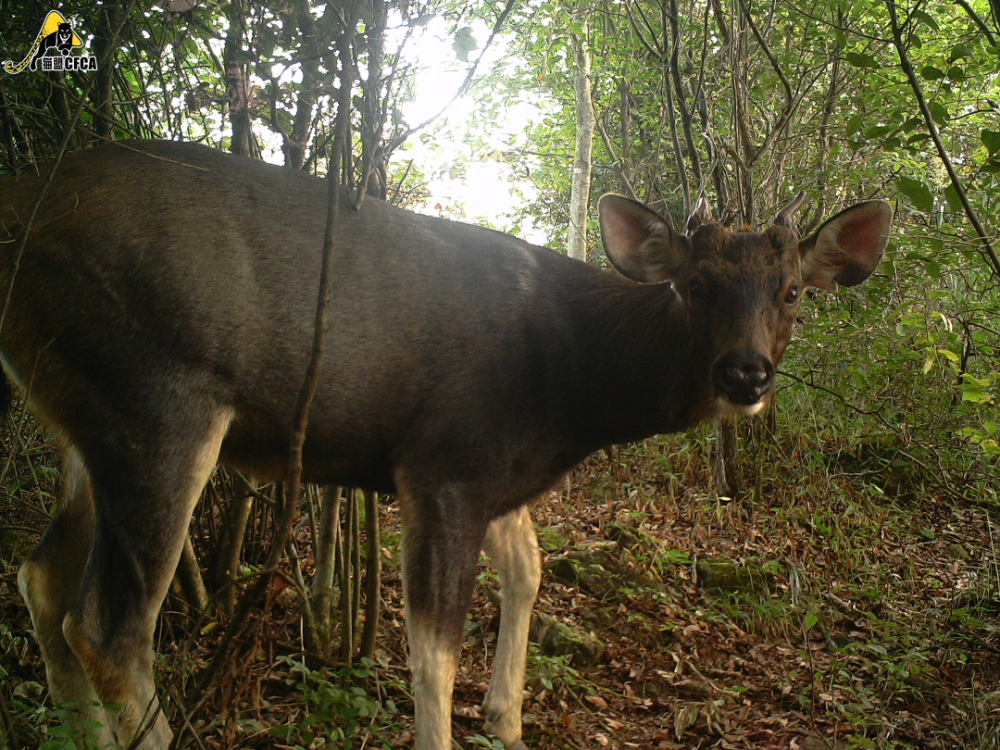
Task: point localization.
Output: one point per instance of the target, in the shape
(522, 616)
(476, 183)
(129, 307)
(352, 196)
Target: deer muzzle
(743, 377)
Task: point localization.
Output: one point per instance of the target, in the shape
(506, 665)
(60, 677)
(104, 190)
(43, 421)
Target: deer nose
(743, 376)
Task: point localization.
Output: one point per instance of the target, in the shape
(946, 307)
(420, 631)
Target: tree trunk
(233, 534)
(726, 469)
(189, 575)
(326, 568)
(585, 122)
(298, 139)
(103, 90)
(373, 577)
(237, 86)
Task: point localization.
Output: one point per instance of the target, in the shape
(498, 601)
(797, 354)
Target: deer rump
(161, 321)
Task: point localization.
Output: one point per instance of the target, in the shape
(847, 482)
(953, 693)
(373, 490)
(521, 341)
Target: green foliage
(551, 672)
(65, 733)
(337, 708)
(917, 192)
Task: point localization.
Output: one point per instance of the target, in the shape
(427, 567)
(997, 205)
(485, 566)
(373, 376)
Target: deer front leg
(441, 543)
(512, 545)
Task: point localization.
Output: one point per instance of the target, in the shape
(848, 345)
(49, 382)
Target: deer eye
(792, 295)
(696, 290)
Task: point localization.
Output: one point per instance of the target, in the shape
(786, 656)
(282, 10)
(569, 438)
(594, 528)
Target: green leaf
(951, 196)
(918, 138)
(939, 112)
(926, 18)
(877, 131)
(58, 731)
(990, 139)
(917, 192)
(810, 621)
(959, 51)
(464, 43)
(853, 125)
(931, 73)
(973, 396)
(975, 382)
(861, 61)
(955, 73)
(933, 269)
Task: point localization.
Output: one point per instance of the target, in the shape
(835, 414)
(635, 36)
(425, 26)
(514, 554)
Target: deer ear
(848, 247)
(640, 244)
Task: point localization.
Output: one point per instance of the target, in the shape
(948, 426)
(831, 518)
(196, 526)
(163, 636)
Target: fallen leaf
(596, 700)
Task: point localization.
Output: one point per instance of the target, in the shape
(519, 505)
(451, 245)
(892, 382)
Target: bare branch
(956, 182)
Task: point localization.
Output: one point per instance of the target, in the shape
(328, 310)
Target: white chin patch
(727, 407)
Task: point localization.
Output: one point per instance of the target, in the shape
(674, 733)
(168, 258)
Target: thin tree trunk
(680, 99)
(328, 540)
(234, 532)
(103, 91)
(373, 577)
(237, 87)
(189, 575)
(372, 113)
(585, 123)
(346, 589)
(675, 143)
(726, 468)
(626, 136)
(296, 141)
(825, 137)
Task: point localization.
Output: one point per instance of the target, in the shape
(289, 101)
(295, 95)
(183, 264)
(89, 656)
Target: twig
(400, 139)
(979, 22)
(856, 409)
(956, 182)
(310, 381)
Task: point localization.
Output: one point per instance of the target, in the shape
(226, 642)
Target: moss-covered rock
(724, 577)
(556, 638)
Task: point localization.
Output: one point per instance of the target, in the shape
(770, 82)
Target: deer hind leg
(49, 582)
(441, 543)
(512, 546)
(142, 501)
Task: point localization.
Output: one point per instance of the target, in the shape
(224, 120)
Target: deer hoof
(506, 726)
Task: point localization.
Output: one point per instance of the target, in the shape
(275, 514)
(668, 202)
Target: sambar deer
(161, 322)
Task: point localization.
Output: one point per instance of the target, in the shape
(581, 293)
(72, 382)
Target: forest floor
(845, 603)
